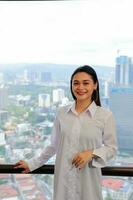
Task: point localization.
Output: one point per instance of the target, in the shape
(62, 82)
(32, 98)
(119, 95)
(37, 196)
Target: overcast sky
(69, 32)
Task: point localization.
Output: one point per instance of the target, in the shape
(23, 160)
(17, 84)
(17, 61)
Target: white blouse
(72, 133)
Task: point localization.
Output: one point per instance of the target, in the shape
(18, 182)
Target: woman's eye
(86, 83)
(75, 83)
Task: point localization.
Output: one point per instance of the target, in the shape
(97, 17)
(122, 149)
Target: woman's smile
(83, 86)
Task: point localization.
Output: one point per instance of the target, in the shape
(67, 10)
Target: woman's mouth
(81, 93)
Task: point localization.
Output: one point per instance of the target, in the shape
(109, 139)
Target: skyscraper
(46, 77)
(3, 97)
(30, 76)
(121, 102)
(3, 104)
(124, 71)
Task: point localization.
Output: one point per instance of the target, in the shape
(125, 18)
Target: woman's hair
(89, 70)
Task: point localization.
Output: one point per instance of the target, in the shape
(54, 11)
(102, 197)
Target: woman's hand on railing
(22, 164)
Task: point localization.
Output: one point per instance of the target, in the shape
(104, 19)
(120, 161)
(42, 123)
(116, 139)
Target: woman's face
(83, 86)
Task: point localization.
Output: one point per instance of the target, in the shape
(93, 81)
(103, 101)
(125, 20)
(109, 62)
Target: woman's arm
(46, 154)
(103, 154)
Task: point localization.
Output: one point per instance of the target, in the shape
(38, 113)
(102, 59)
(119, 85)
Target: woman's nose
(80, 86)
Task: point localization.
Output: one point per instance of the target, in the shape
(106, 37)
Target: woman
(83, 139)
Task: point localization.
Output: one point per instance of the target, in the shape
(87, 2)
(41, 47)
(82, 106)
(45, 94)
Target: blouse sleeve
(47, 152)
(109, 147)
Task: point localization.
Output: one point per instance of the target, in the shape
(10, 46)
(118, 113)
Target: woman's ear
(95, 87)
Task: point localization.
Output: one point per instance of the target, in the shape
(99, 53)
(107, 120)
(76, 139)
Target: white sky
(70, 32)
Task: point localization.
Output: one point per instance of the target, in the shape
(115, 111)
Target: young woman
(83, 139)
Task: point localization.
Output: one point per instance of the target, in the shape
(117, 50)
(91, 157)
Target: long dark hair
(89, 70)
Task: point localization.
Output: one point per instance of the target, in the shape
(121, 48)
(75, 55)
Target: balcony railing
(49, 169)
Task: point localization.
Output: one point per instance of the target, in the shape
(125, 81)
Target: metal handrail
(49, 169)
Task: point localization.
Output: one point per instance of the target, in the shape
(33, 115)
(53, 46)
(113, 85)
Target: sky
(90, 32)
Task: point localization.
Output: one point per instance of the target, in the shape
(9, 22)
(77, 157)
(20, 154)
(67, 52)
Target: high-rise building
(25, 75)
(44, 100)
(124, 71)
(121, 104)
(46, 77)
(31, 76)
(58, 95)
(106, 89)
(3, 97)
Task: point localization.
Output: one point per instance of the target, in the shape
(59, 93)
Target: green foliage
(18, 112)
(32, 90)
(32, 117)
(27, 113)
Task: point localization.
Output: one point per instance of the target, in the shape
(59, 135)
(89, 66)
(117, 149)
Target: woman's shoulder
(64, 109)
(104, 111)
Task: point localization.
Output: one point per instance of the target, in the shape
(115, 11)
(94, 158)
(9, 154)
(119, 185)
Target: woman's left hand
(82, 158)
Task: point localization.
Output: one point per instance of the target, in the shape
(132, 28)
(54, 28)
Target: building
(117, 189)
(3, 116)
(44, 100)
(121, 104)
(58, 95)
(124, 71)
(30, 76)
(46, 77)
(2, 138)
(105, 87)
(3, 97)
(23, 100)
(23, 127)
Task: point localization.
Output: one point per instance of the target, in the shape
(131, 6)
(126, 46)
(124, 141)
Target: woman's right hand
(22, 164)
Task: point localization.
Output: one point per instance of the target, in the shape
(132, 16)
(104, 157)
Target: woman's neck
(81, 106)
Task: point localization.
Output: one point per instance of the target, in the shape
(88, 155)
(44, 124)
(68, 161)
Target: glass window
(41, 43)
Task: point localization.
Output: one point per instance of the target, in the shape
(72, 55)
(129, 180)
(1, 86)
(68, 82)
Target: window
(41, 43)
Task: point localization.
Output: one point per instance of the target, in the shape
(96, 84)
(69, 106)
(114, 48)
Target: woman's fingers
(25, 171)
(81, 166)
(22, 164)
(77, 161)
(82, 158)
(19, 165)
(78, 164)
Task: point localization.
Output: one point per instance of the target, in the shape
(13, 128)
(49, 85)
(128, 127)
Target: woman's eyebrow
(87, 80)
(75, 80)
(81, 80)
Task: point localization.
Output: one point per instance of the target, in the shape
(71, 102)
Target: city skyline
(27, 121)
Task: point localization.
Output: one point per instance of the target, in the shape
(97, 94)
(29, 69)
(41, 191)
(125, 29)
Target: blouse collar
(91, 108)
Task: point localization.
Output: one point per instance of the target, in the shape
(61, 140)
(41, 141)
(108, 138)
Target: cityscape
(29, 98)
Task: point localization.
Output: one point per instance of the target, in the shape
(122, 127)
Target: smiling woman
(41, 44)
(83, 139)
